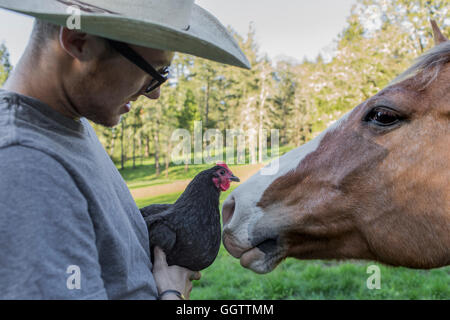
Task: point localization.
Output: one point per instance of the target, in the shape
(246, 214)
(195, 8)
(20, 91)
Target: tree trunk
(113, 143)
(169, 150)
(167, 166)
(121, 145)
(134, 144)
(140, 147)
(147, 145)
(207, 103)
(262, 101)
(156, 137)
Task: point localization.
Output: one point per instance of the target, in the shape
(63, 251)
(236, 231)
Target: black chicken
(189, 230)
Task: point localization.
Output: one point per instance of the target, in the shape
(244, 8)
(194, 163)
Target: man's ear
(74, 43)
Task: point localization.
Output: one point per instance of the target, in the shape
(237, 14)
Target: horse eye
(382, 117)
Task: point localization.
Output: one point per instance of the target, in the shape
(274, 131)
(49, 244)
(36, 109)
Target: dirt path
(243, 172)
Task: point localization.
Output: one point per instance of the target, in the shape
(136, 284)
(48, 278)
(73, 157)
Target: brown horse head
(375, 185)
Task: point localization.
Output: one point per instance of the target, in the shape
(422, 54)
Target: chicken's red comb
(223, 164)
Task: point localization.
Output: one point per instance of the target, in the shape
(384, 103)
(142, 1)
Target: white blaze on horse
(375, 185)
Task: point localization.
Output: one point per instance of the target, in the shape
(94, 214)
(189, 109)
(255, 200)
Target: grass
(144, 175)
(295, 279)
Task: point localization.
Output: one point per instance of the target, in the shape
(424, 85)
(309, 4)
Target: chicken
(189, 230)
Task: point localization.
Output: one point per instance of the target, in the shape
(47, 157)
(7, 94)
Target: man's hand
(173, 277)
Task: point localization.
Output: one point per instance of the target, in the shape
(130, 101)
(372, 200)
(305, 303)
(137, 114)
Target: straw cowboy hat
(173, 25)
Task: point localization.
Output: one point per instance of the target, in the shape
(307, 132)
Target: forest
(296, 99)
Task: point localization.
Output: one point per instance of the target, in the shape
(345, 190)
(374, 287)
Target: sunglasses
(158, 77)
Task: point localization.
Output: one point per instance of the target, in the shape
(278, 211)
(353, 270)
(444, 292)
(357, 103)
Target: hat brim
(206, 37)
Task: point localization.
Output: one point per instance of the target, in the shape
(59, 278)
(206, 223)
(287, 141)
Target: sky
(284, 28)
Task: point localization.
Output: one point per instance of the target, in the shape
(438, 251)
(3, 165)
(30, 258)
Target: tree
(189, 112)
(282, 103)
(137, 125)
(381, 40)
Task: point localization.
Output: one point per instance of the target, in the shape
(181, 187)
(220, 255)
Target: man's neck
(44, 85)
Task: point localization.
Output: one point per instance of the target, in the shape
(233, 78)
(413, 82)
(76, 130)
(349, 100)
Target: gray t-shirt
(69, 227)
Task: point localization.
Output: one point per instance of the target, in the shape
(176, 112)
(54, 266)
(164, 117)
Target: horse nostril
(228, 210)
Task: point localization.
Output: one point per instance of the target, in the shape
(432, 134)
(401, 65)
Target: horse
(373, 186)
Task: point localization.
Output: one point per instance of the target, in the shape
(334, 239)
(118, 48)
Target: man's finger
(160, 256)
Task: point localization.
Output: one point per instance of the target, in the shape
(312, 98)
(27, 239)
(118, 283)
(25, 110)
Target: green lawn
(294, 279)
(144, 175)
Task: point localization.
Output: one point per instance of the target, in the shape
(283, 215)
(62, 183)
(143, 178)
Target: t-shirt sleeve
(47, 238)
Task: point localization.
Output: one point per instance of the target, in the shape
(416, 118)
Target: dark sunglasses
(158, 77)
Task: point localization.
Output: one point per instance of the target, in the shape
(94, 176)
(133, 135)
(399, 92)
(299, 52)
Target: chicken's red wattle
(224, 186)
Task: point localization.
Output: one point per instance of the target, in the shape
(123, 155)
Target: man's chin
(113, 122)
(110, 122)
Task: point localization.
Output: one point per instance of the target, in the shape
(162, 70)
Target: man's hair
(41, 34)
(44, 31)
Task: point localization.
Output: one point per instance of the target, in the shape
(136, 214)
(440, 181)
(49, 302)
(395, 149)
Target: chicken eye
(383, 116)
(222, 172)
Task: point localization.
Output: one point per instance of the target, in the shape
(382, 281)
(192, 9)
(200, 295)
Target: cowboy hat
(173, 25)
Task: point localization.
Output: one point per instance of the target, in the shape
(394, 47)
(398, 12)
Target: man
(69, 228)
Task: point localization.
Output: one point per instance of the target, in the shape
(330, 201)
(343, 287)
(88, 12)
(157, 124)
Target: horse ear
(438, 36)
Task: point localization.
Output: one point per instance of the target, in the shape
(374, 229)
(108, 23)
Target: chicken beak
(234, 178)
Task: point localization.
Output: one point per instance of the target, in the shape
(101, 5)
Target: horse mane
(426, 68)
